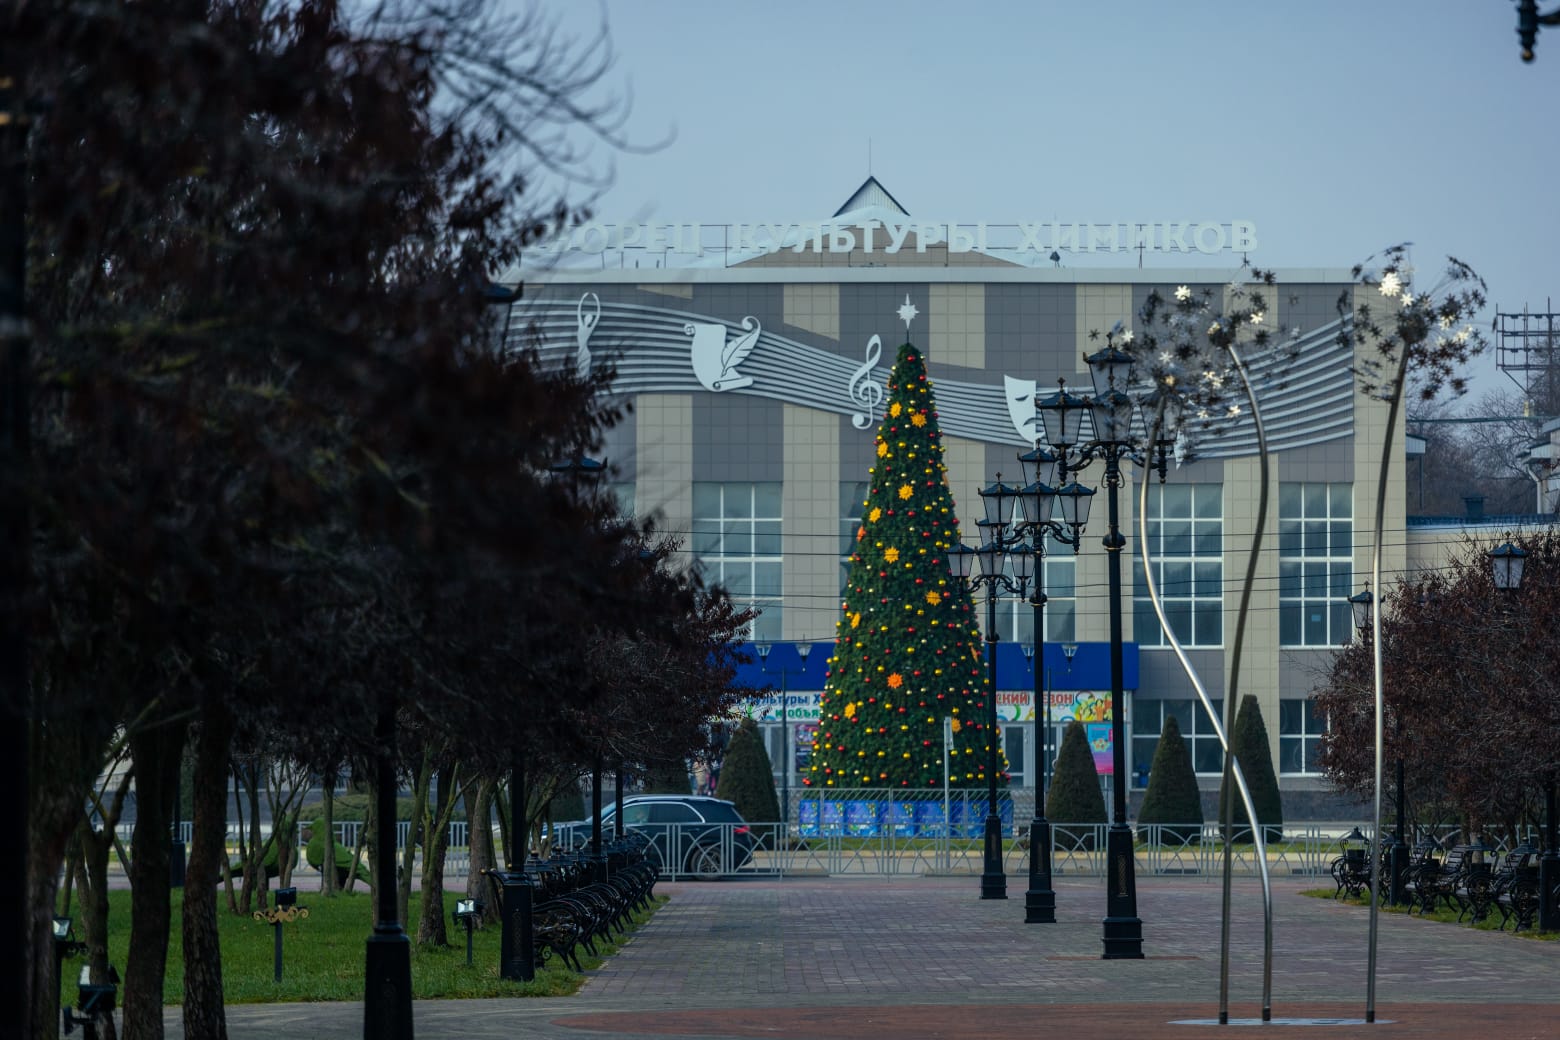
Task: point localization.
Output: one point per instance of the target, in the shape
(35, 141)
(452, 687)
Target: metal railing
(900, 837)
(1078, 850)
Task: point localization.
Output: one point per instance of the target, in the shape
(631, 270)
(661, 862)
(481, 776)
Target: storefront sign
(800, 707)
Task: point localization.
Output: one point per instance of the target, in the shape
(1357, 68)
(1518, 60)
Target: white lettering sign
(1027, 237)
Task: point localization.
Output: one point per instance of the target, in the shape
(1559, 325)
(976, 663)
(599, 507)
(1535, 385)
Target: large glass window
(1148, 721)
(736, 539)
(1300, 729)
(1315, 564)
(1016, 616)
(1186, 543)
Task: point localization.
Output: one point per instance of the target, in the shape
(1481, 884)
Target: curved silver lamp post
(1222, 728)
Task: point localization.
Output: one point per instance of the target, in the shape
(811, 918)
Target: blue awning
(1089, 668)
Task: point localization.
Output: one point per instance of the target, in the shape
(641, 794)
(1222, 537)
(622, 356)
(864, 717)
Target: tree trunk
(414, 834)
(479, 841)
(284, 832)
(157, 752)
(253, 895)
(328, 880)
(17, 919)
(227, 861)
(54, 819)
(359, 850)
(368, 838)
(44, 986)
(204, 1015)
(92, 883)
(431, 927)
(504, 827)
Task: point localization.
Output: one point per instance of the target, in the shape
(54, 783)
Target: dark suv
(689, 834)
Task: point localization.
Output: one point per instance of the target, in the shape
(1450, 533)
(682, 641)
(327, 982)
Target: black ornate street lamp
(1507, 563)
(994, 556)
(582, 473)
(1528, 20)
(1362, 604)
(786, 763)
(1111, 412)
(1039, 499)
(387, 998)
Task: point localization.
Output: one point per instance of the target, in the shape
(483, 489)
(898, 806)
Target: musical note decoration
(864, 390)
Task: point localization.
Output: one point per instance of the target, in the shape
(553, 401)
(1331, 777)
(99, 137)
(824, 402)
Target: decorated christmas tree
(908, 650)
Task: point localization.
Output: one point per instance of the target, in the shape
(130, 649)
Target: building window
(1186, 543)
(1016, 616)
(853, 498)
(1315, 564)
(736, 540)
(1300, 729)
(1148, 721)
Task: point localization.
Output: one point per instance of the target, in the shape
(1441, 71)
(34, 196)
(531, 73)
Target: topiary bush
(1255, 755)
(314, 853)
(1172, 798)
(747, 777)
(1075, 795)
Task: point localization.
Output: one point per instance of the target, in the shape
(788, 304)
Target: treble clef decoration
(863, 390)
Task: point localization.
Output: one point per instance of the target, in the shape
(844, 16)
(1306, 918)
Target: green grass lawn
(1443, 915)
(323, 956)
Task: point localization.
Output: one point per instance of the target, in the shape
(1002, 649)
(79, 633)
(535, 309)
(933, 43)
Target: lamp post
(994, 555)
(1529, 18)
(387, 1000)
(802, 650)
(1038, 499)
(1507, 563)
(581, 472)
(1111, 411)
(1362, 604)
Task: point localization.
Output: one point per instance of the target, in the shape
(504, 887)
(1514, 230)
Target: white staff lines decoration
(662, 350)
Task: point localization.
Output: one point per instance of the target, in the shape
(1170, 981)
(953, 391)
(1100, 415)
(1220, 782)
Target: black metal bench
(1435, 881)
(1474, 891)
(1516, 888)
(572, 911)
(1351, 873)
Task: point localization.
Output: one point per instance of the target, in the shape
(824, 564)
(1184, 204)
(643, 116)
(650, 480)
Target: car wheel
(704, 863)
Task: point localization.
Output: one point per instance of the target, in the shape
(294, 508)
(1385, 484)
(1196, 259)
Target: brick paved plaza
(843, 958)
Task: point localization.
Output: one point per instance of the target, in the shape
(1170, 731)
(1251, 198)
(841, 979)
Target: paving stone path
(843, 958)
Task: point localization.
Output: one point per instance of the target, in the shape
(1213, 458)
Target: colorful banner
(1066, 706)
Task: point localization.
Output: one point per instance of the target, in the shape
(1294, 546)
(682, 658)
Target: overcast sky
(1339, 128)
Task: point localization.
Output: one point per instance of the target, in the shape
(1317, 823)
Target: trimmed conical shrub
(1172, 798)
(747, 777)
(908, 651)
(667, 776)
(1255, 755)
(1075, 795)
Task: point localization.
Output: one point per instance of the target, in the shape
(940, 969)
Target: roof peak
(872, 193)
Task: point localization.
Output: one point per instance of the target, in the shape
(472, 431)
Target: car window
(672, 812)
(635, 814)
(720, 812)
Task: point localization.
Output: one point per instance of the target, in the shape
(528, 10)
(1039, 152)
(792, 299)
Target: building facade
(754, 373)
